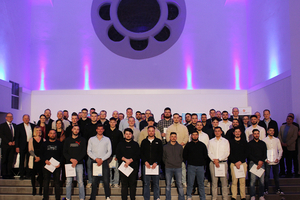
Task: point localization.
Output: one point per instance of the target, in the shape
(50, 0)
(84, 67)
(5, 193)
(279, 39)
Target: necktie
(11, 130)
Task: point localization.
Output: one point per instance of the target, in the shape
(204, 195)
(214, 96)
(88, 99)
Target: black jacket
(21, 136)
(115, 136)
(257, 151)
(195, 153)
(151, 151)
(5, 134)
(238, 150)
(129, 150)
(51, 149)
(272, 124)
(74, 148)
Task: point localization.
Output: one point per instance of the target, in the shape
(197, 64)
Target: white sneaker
(108, 198)
(101, 186)
(189, 198)
(117, 186)
(184, 185)
(252, 198)
(89, 185)
(262, 198)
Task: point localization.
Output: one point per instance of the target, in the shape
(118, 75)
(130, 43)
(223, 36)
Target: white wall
(275, 95)
(5, 99)
(178, 100)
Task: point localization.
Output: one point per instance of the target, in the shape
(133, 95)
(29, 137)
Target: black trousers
(37, 169)
(289, 157)
(130, 182)
(8, 154)
(47, 177)
(105, 177)
(24, 155)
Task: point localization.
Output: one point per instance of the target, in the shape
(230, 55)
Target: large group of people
(110, 153)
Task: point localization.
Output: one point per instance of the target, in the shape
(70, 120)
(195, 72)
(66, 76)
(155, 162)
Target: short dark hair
(237, 128)
(188, 114)
(195, 131)
(138, 112)
(176, 114)
(103, 111)
(76, 125)
(214, 118)
(266, 110)
(128, 109)
(112, 118)
(236, 120)
(203, 114)
(212, 110)
(65, 111)
(92, 109)
(99, 125)
(271, 128)
(84, 109)
(225, 111)
(95, 113)
(194, 114)
(173, 133)
(255, 130)
(167, 108)
(253, 116)
(47, 109)
(129, 130)
(42, 115)
(151, 127)
(74, 114)
(218, 127)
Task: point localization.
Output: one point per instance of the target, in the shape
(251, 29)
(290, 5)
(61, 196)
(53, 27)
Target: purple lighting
(42, 83)
(189, 78)
(42, 2)
(237, 76)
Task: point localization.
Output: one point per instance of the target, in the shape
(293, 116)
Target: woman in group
(34, 147)
(60, 134)
(42, 124)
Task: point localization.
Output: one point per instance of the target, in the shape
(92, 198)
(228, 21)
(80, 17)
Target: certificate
(70, 171)
(272, 155)
(52, 166)
(97, 170)
(165, 130)
(239, 173)
(151, 171)
(258, 172)
(113, 163)
(125, 170)
(220, 171)
(30, 162)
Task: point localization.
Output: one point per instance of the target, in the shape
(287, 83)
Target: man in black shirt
(230, 133)
(237, 159)
(51, 148)
(195, 153)
(257, 155)
(115, 136)
(192, 126)
(102, 118)
(267, 123)
(151, 154)
(74, 122)
(128, 151)
(74, 151)
(84, 120)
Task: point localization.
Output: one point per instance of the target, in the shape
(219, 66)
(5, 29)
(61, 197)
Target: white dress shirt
(218, 149)
(225, 126)
(274, 143)
(28, 131)
(249, 136)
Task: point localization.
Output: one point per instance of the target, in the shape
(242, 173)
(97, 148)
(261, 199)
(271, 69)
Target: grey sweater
(172, 155)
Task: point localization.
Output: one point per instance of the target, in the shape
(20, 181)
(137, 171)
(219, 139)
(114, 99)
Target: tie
(11, 130)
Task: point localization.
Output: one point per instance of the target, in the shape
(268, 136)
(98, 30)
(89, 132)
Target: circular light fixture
(138, 29)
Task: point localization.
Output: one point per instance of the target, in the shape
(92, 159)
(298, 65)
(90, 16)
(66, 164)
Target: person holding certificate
(99, 150)
(218, 152)
(257, 157)
(74, 151)
(51, 155)
(238, 165)
(274, 153)
(195, 153)
(151, 154)
(173, 157)
(128, 152)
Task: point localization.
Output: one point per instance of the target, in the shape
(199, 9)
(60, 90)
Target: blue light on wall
(237, 77)
(86, 78)
(42, 83)
(273, 67)
(189, 78)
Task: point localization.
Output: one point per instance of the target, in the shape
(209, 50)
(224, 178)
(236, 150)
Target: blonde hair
(35, 131)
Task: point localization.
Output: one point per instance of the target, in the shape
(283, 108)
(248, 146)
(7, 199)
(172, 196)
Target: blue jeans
(115, 180)
(155, 179)
(105, 177)
(79, 177)
(275, 169)
(178, 176)
(252, 182)
(196, 171)
(89, 170)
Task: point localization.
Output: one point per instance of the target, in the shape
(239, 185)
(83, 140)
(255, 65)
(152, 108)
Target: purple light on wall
(237, 76)
(42, 2)
(233, 1)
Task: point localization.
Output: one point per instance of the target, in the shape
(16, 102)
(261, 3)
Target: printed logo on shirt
(51, 148)
(156, 142)
(78, 142)
(74, 145)
(128, 147)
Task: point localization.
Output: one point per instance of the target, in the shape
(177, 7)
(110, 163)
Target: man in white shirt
(218, 152)
(254, 122)
(225, 124)
(203, 137)
(274, 154)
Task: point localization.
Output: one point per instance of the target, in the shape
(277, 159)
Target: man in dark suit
(267, 122)
(23, 134)
(7, 134)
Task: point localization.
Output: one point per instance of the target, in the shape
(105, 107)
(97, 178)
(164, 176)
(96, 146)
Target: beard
(194, 140)
(167, 117)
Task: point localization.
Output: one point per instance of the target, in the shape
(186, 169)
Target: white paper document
(52, 166)
(239, 173)
(113, 163)
(220, 171)
(97, 170)
(258, 172)
(151, 171)
(165, 130)
(125, 170)
(70, 171)
(30, 162)
(272, 155)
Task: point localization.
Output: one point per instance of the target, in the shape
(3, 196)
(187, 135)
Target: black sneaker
(279, 192)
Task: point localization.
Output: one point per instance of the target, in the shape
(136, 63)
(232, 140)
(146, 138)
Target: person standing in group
(151, 155)
(34, 149)
(128, 151)
(195, 153)
(173, 157)
(74, 151)
(99, 150)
